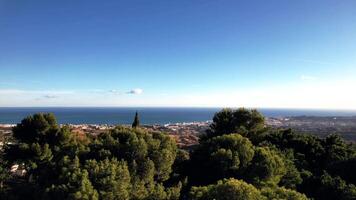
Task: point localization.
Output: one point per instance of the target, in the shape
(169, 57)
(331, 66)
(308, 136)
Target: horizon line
(212, 107)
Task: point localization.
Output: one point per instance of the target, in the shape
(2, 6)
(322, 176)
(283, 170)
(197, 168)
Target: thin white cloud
(38, 92)
(95, 91)
(135, 91)
(330, 94)
(312, 61)
(8, 84)
(20, 97)
(308, 78)
(50, 96)
(115, 92)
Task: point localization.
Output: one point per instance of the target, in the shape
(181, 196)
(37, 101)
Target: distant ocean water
(125, 115)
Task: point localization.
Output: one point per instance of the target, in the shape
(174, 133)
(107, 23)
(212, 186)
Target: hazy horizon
(190, 107)
(153, 115)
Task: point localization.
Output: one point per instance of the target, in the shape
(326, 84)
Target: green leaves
(124, 163)
(238, 159)
(233, 189)
(110, 177)
(282, 193)
(266, 168)
(35, 128)
(73, 183)
(227, 152)
(328, 188)
(242, 121)
(220, 157)
(227, 189)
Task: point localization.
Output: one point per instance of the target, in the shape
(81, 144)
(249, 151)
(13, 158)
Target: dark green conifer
(136, 122)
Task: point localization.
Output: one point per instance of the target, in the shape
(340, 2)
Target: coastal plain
(187, 134)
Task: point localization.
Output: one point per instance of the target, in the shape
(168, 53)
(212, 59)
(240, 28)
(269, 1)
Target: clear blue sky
(276, 53)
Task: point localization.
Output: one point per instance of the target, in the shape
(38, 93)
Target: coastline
(345, 126)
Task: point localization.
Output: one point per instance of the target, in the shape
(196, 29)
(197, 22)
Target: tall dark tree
(243, 121)
(136, 122)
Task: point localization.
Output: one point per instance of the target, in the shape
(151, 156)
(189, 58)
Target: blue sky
(277, 53)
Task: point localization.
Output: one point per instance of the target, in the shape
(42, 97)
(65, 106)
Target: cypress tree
(136, 122)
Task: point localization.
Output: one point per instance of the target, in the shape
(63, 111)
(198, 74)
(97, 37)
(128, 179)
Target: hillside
(237, 158)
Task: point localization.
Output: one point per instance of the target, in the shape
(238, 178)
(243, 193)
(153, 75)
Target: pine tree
(136, 122)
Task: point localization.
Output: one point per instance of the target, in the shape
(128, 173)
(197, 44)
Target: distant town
(187, 134)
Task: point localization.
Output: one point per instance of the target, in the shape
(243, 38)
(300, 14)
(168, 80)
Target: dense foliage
(242, 121)
(121, 164)
(238, 158)
(233, 189)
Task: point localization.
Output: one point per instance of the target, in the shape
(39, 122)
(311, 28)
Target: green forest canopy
(238, 158)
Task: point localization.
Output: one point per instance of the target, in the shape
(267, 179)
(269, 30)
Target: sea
(148, 115)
